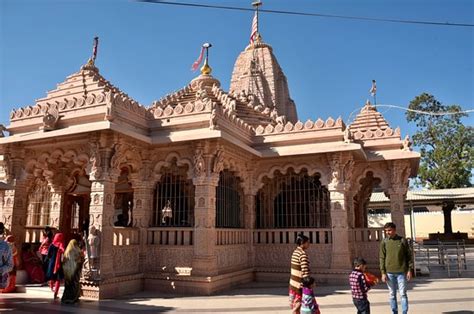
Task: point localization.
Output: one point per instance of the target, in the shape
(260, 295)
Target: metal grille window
(174, 202)
(293, 201)
(39, 204)
(229, 198)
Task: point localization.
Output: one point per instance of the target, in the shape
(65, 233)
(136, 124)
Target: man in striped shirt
(299, 270)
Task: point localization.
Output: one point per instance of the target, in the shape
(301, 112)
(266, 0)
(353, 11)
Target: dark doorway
(75, 214)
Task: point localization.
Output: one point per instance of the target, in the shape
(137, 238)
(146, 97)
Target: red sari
(33, 267)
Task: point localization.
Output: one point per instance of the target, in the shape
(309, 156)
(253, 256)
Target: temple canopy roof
(370, 125)
(83, 97)
(205, 88)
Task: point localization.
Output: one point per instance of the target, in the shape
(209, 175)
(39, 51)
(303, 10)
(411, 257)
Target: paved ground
(453, 296)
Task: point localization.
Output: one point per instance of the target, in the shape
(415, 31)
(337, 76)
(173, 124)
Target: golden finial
(206, 69)
(90, 65)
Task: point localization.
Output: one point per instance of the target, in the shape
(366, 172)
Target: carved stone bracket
(399, 174)
(199, 165)
(342, 168)
(218, 161)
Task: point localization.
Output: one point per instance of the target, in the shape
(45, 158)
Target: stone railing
(367, 234)
(170, 236)
(33, 234)
(231, 236)
(299, 126)
(126, 236)
(366, 243)
(288, 236)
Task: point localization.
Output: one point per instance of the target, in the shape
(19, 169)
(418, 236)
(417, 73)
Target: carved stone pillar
(204, 257)
(399, 173)
(101, 216)
(14, 210)
(16, 200)
(249, 220)
(341, 252)
(341, 256)
(142, 214)
(397, 211)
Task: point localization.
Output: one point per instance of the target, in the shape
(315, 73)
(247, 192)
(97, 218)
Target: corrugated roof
(430, 195)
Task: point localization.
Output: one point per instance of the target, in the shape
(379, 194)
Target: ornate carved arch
(361, 199)
(167, 162)
(379, 172)
(57, 167)
(125, 156)
(312, 170)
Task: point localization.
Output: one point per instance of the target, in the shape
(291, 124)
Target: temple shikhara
(204, 188)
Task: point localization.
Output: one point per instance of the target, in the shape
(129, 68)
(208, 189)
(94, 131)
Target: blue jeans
(397, 281)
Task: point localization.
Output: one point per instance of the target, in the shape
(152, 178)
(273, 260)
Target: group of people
(396, 268)
(53, 262)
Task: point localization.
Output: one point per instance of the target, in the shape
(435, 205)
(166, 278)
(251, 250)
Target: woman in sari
(32, 264)
(11, 286)
(44, 247)
(54, 271)
(72, 266)
(299, 270)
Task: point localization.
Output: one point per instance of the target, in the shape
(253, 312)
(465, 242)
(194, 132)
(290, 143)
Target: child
(308, 301)
(360, 286)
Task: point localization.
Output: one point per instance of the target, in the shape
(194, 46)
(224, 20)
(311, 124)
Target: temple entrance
(75, 218)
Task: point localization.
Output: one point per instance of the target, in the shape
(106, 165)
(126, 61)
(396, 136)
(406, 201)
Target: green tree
(446, 147)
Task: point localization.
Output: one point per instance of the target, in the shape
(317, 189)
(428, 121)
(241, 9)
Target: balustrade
(367, 234)
(33, 234)
(126, 236)
(288, 236)
(232, 236)
(170, 236)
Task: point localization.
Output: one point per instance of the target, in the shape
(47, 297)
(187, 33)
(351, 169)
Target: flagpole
(256, 4)
(95, 48)
(373, 91)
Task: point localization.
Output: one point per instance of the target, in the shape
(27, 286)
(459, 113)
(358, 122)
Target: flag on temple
(198, 61)
(253, 34)
(373, 89)
(94, 49)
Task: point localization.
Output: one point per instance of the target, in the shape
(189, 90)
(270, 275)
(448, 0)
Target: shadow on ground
(35, 305)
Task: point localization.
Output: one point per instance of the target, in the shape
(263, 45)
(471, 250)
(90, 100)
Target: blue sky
(147, 50)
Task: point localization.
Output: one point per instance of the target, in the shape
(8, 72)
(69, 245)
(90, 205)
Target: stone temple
(204, 189)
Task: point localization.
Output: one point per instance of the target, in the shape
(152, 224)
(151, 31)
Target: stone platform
(425, 295)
